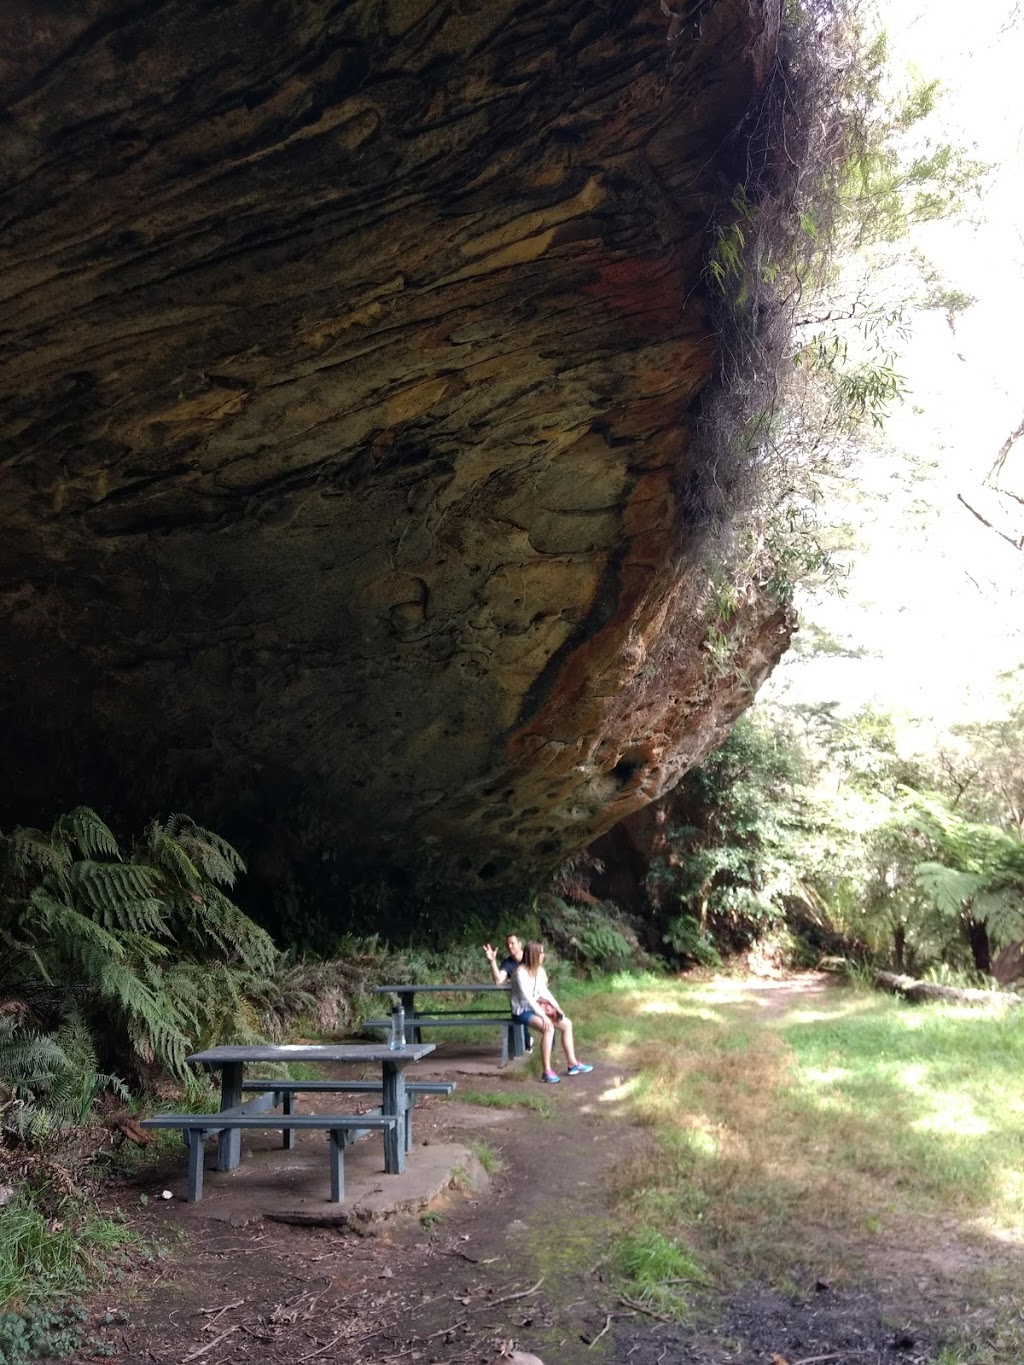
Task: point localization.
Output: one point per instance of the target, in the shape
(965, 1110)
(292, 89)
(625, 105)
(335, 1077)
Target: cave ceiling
(351, 355)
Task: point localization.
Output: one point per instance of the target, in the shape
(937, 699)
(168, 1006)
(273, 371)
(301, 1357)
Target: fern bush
(593, 937)
(115, 959)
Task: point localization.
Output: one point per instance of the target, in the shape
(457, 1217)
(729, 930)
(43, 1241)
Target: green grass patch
(493, 1099)
(487, 1156)
(922, 1100)
(53, 1257)
(780, 1139)
(656, 1270)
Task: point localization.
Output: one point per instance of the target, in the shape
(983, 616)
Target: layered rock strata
(350, 354)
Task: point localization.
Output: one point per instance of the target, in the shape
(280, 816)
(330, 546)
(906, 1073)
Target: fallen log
(919, 992)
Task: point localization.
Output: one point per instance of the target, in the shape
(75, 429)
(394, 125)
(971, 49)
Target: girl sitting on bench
(535, 1006)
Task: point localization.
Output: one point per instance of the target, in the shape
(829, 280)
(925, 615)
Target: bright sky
(933, 596)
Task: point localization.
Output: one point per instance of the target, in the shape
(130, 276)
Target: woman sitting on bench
(534, 1005)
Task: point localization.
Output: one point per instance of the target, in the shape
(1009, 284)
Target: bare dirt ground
(521, 1264)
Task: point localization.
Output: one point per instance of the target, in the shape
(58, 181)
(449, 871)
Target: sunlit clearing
(682, 1011)
(842, 1010)
(722, 991)
(914, 1077)
(1011, 1186)
(952, 1114)
(700, 1136)
(659, 1005)
(616, 1093)
(831, 1077)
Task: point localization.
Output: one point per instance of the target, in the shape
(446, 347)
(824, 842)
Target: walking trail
(518, 1264)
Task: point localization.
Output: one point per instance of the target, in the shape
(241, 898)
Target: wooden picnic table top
(311, 1052)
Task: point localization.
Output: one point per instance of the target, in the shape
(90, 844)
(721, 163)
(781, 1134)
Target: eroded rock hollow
(350, 361)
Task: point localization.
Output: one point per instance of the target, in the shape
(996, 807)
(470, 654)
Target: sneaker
(551, 1077)
(579, 1069)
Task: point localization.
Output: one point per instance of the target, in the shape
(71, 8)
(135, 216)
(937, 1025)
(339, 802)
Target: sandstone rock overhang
(350, 354)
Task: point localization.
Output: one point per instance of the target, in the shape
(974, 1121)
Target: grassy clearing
(860, 1140)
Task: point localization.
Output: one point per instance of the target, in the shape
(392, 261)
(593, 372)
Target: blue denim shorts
(524, 1016)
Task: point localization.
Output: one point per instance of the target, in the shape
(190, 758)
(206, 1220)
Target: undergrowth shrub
(117, 962)
(41, 1335)
(52, 1245)
(594, 938)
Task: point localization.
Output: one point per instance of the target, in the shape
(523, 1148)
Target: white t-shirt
(525, 991)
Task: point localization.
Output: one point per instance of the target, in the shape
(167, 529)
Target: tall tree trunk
(981, 949)
(899, 947)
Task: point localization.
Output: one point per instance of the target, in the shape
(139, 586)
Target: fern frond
(171, 858)
(29, 850)
(153, 1024)
(85, 828)
(51, 921)
(219, 860)
(1002, 913)
(236, 934)
(27, 1060)
(947, 888)
(213, 925)
(121, 896)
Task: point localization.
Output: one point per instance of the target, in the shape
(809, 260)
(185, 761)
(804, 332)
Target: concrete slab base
(293, 1186)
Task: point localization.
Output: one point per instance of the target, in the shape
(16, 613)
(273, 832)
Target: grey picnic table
(407, 993)
(231, 1061)
(513, 1038)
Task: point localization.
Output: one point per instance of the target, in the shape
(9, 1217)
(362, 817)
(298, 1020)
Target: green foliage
(690, 943)
(50, 1082)
(594, 937)
(50, 1253)
(39, 1335)
(142, 950)
(808, 279)
(655, 1268)
(732, 867)
(978, 870)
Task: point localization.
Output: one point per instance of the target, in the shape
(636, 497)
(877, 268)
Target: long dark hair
(531, 955)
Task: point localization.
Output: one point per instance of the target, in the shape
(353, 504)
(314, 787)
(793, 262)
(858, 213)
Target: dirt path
(522, 1263)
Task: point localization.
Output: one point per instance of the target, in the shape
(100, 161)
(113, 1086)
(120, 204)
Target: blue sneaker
(551, 1077)
(580, 1069)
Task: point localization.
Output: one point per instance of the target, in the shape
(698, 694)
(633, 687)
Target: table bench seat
(282, 1092)
(196, 1128)
(513, 1037)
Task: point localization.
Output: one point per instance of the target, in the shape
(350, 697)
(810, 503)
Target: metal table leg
(229, 1144)
(393, 1101)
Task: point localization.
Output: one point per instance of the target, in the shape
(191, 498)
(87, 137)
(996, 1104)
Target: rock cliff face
(350, 354)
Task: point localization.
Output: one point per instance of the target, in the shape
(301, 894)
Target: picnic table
(407, 994)
(513, 1038)
(231, 1061)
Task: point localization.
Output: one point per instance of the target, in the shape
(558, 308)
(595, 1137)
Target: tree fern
(69, 933)
(147, 946)
(220, 862)
(25, 1057)
(84, 828)
(949, 889)
(119, 895)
